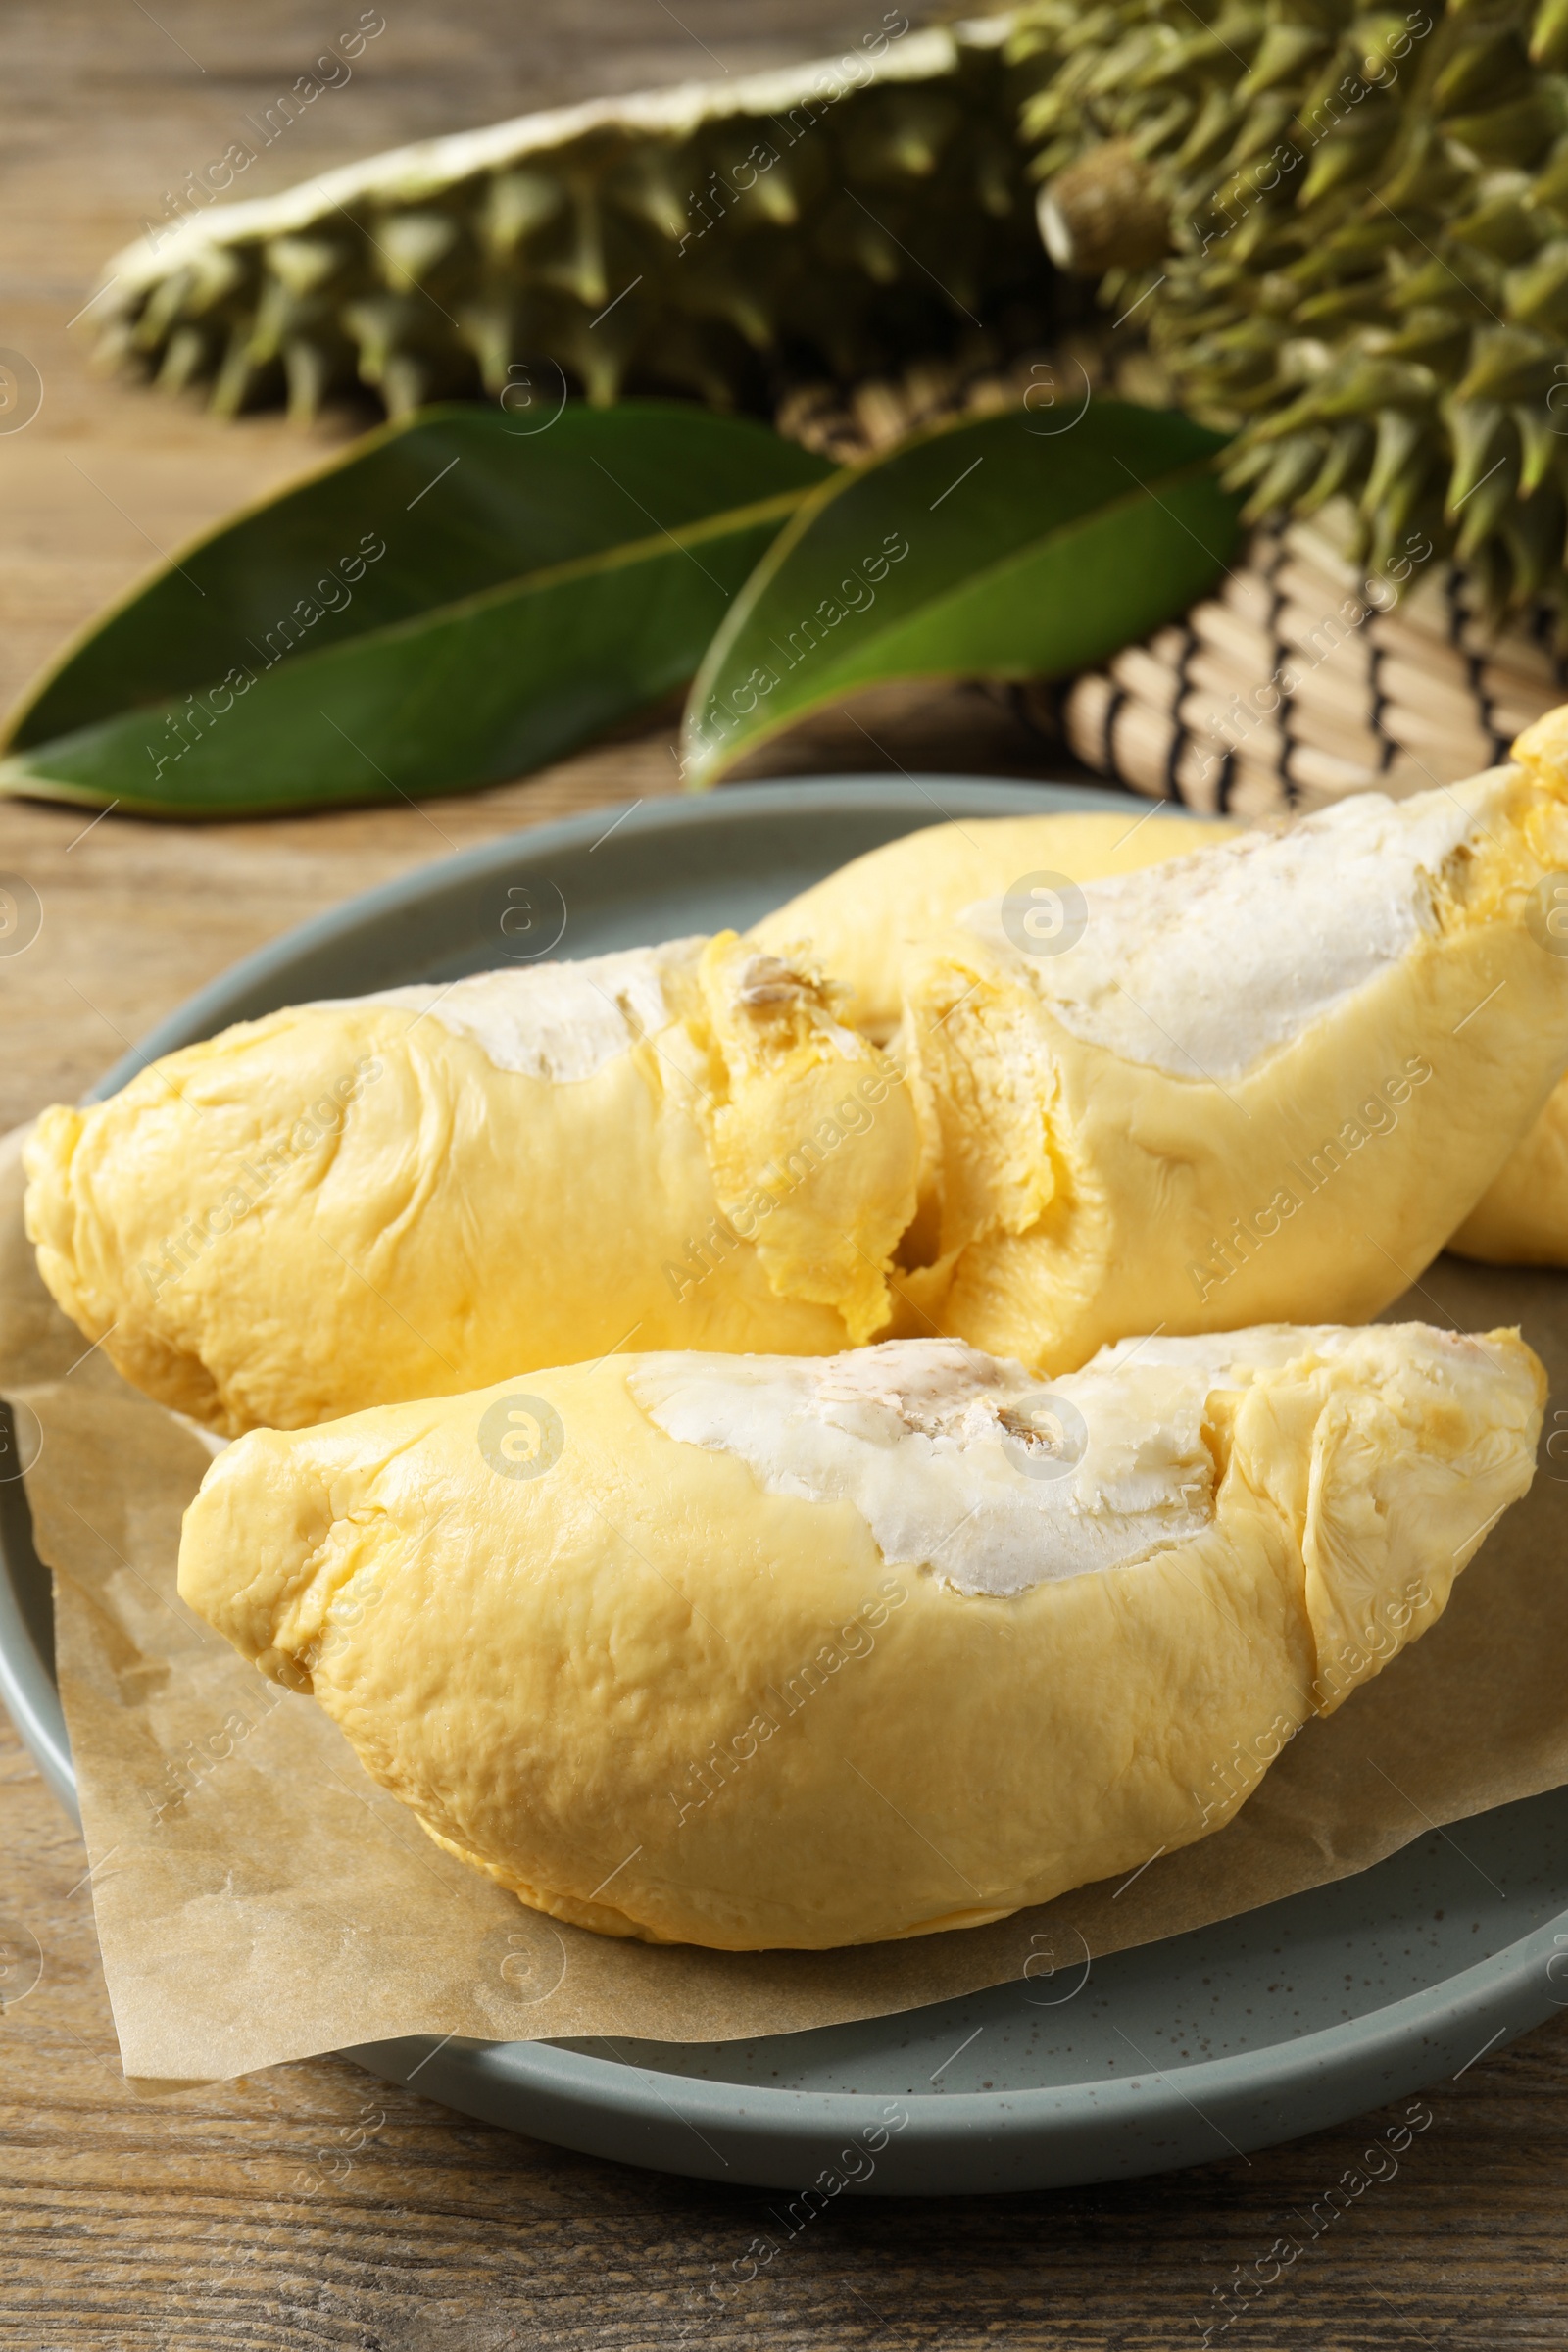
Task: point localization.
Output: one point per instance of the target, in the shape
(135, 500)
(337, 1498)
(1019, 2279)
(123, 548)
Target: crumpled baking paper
(258, 1899)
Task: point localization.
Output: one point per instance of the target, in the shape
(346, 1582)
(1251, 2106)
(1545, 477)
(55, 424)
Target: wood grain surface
(190, 2223)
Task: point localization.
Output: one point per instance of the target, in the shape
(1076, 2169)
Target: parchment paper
(258, 1899)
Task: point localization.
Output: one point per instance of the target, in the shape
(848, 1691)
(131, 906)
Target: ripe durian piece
(1260, 1082)
(856, 923)
(1522, 1218)
(859, 922)
(1365, 270)
(754, 1651)
(713, 239)
(408, 1194)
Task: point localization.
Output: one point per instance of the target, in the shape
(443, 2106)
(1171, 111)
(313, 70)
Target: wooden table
(189, 2222)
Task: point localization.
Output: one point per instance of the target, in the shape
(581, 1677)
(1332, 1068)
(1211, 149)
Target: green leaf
(994, 549)
(452, 603)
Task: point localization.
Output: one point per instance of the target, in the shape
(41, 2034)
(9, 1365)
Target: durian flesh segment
(1522, 1217)
(1232, 1139)
(357, 1203)
(856, 923)
(744, 1687)
(860, 920)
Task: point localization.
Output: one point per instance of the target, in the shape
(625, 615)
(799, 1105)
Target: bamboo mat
(1301, 679)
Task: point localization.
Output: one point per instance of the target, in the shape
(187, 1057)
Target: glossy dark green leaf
(455, 600)
(1011, 547)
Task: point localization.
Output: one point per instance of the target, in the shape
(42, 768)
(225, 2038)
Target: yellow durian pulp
(857, 922)
(1113, 1154)
(861, 920)
(411, 1195)
(354, 1202)
(754, 1652)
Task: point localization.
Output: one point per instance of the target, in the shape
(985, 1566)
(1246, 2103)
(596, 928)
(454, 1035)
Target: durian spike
(577, 267)
(1399, 436)
(1349, 449)
(185, 358)
(312, 371)
(307, 265)
(166, 306)
(1534, 535)
(650, 186)
(1479, 433)
(1296, 463)
(1510, 363)
(905, 134)
(515, 205)
(1549, 35)
(412, 246)
(243, 380)
(1540, 445)
(1490, 504)
(1538, 291)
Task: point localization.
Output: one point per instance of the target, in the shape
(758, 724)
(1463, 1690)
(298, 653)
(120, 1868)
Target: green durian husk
(717, 240)
(1365, 220)
(1391, 210)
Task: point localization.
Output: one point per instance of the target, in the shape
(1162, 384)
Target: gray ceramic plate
(1258, 2029)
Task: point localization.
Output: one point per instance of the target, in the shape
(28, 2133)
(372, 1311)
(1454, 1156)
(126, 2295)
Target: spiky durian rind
(1367, 272)
(716, 238)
